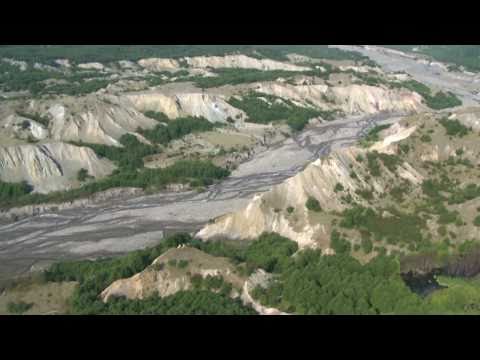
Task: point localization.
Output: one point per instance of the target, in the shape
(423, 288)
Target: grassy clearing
(37, 298)
(227, 140)
(462, 296)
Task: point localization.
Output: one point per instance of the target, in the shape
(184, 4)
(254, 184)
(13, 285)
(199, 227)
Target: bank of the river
(117, 227)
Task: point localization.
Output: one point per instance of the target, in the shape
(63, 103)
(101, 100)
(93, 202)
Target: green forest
(75, 83)
(163, 133)
(194, 172)
(309, 283)
(107, 53)
(240, 76)
(130, 173)
(269, 251)
(304, 282)
(277, 109)
(439, 101)
(95, 276)
(130, 170)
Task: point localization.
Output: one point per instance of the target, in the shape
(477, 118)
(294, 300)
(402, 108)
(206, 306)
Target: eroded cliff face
(23, 128)
(303, 94)
(242, 62)
(212, 107)
(216, 62)
(50, 167)
(371, 99)
(165, 279)
(159, 64)
(96, 121)
(104, 117)
(352, 99)
(91, 66)
(268, 212)
(39, 153)
(100, 119)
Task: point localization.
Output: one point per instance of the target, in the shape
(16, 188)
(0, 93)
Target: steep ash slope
(242, 62)
(267, 212)
(100, 119)
(351, 99)
(50, 167)
(413, 178)
(211, 107)
(97, 121)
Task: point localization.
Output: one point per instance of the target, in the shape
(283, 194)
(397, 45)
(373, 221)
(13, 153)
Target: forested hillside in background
(106, 53)
(461, 55)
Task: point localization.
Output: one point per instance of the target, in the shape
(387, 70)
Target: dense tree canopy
(339, 284)
(11, 192)
(176, 129)
(94, 276)
(275, 109)
(108, 53)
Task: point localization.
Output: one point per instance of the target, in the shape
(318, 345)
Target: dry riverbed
(121, 225)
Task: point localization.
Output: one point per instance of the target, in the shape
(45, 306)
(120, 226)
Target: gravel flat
(124, 225)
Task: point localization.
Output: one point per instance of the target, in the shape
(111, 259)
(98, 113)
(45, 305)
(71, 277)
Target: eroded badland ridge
(252, 155)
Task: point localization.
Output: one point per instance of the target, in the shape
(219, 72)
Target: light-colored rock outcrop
(212, 107)
(158, 64)
(359, 69)
(23, 128)
(317, 180)
(22, 65)
(266, 212)
(216, 62)
(94, 118)
(242, 62)
(304, 94)
(63, 63)
(96, 121)
(165, 279)
(367, 99)
(352, 99)
(258, 278)
(91, 66)
(393, 134)
(126, 64)
(50, 167)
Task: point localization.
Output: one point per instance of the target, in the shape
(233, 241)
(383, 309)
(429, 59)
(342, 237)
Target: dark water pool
(422, 284)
